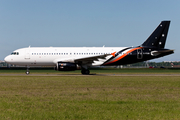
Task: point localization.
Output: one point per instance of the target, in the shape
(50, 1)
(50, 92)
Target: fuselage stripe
(123, 55)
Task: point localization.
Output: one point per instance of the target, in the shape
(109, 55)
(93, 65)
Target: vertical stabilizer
(158, 37)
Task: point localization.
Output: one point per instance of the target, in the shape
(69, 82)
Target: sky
(86, 23)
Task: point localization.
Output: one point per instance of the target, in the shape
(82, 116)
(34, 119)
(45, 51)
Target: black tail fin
(158, 37)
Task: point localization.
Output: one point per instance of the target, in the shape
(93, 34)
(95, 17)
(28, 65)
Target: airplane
(71, 58)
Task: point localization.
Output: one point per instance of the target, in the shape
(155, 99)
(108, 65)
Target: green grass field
(90, 97)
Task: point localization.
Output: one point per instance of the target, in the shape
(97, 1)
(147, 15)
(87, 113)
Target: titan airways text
(69, 58)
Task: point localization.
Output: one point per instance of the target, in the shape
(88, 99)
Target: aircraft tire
(85, 71)
(27, 72)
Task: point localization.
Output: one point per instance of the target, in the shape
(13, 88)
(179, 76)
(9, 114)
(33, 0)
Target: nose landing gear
(27, 71)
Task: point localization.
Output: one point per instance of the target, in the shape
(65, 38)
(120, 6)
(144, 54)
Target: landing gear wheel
(27, 72)
(85, 71)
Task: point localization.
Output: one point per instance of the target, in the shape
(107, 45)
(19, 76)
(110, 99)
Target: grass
(92, 97)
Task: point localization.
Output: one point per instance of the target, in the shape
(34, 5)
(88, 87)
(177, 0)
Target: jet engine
(66, 66)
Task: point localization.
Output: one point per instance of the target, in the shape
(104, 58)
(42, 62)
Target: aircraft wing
(94, 60)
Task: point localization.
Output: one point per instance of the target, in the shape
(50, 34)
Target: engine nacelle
(66, 66)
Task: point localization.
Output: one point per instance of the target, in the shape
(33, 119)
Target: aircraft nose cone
(7, 59)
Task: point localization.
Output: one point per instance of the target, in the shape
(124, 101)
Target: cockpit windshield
(15, 53)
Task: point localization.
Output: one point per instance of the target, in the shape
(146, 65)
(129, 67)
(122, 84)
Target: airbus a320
(70, 58)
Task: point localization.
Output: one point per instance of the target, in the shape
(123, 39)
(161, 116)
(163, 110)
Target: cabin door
(139, 54)
(27, 54)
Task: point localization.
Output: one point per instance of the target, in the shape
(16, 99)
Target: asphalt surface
(135, 74)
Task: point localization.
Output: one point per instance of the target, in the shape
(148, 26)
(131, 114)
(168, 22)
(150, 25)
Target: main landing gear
(85, 71)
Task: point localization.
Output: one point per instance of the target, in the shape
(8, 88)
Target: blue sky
(86, 23)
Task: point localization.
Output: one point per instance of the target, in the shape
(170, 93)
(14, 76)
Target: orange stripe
(123, 55)
(113, 54)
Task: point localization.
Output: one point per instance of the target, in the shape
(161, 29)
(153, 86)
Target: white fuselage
(49, 56)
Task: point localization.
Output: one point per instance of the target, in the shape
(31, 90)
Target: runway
(136, 74)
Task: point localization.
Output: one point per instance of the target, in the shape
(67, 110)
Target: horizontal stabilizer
(155, 53)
